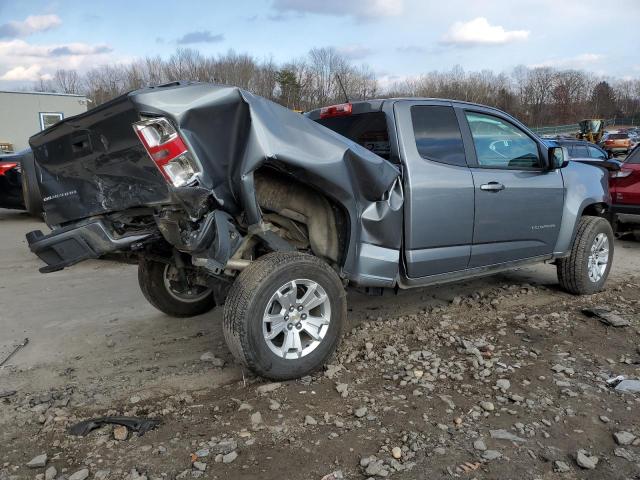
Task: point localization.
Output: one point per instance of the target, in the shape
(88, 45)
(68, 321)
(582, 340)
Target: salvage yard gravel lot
(501, 377)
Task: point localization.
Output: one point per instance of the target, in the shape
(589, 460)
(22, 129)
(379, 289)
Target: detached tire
(586, 269)
(175, 300)
(284, 315)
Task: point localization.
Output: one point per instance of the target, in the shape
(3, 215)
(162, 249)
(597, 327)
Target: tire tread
(572, 269)
(242, 295)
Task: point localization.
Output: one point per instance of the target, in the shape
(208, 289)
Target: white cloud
(359, 9)
(583, 60)
(354, 52)
(20, 48)
(24, 61)
(480, 32)
(25, 74)
(31, 24)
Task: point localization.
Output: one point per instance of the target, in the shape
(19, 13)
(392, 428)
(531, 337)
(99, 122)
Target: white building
(24, 113)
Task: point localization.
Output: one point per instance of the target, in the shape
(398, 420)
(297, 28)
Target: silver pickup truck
(223, 197)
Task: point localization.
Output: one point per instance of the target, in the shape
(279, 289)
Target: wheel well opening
(596, 210)
(301, 214)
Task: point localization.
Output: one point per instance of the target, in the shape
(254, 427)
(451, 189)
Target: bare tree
(67, 81)
(538, 96)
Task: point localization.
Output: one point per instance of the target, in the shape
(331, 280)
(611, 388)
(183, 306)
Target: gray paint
(524, 218)
(20, 113)
(452, 228)
(584, 185)
(439, 204)
(93, 164)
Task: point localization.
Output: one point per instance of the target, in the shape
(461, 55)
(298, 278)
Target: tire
(30, 191)
(152, 278)
(254, 294)
(574, 272)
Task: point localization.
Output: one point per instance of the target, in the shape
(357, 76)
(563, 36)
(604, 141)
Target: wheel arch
(328, 221)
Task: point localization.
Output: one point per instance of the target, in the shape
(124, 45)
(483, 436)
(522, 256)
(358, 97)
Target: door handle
(492, 187)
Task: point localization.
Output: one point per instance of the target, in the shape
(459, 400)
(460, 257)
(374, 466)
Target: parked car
(226, 197)
(618, 143)
(625, 190)
(586, 152)
(18, 183)
(11, 182)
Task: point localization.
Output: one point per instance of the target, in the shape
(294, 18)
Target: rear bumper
(69, 245)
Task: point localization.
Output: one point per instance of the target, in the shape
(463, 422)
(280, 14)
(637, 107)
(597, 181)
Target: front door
(518, 204)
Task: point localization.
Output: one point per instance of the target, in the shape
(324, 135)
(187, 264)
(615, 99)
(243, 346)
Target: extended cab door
(518, 204)
(438, 212)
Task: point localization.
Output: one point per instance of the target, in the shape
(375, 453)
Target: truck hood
(93, 163)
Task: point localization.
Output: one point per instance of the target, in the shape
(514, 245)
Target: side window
(580, 151)
(499, 144)
(437, 133)
(597, 153)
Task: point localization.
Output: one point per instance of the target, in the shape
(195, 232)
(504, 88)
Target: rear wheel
(586, 269)
(284, 315)
(173, 292)
(30, 190)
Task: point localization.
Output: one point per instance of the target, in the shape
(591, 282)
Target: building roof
(44, 93)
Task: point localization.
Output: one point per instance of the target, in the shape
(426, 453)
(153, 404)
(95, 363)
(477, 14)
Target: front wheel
(586, 269)
(284, 315)
(173, 292)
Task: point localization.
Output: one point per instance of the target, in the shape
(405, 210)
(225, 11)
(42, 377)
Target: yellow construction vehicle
(591, 130)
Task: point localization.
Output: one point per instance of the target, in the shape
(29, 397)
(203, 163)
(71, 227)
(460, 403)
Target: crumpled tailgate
(93, 163)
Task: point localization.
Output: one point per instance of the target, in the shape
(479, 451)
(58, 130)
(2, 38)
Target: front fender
(585, 185)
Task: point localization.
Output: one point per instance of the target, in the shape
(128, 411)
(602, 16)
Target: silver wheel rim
(192, 294)
(296, 319)
(598, 257)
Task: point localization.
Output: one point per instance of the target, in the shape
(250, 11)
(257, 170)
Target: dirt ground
(501, 377)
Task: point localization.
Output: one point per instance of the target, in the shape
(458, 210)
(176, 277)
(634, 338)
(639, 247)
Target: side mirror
(558, 157)
(609, 154)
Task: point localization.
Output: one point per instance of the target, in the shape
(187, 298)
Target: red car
(624, 186)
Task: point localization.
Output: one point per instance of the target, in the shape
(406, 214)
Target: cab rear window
(367, 129)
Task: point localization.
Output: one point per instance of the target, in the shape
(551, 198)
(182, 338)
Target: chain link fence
(573, 128)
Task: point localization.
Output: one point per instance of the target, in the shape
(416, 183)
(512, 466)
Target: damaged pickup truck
(224, 197)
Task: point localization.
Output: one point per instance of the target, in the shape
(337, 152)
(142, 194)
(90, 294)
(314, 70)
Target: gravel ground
(502, 377)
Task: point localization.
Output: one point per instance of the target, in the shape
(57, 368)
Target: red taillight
(341, 110)
(5, 167)
(168, 151)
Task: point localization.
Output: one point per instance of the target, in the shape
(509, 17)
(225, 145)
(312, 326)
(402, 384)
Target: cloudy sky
(397, 38)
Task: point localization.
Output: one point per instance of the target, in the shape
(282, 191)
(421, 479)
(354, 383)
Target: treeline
(537, 96)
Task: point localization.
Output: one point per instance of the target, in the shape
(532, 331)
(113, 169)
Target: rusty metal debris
(468, 467)
(140, 425)
(18, 347)
(606, 316)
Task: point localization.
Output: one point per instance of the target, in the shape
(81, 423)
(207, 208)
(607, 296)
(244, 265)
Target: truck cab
(481, 192)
